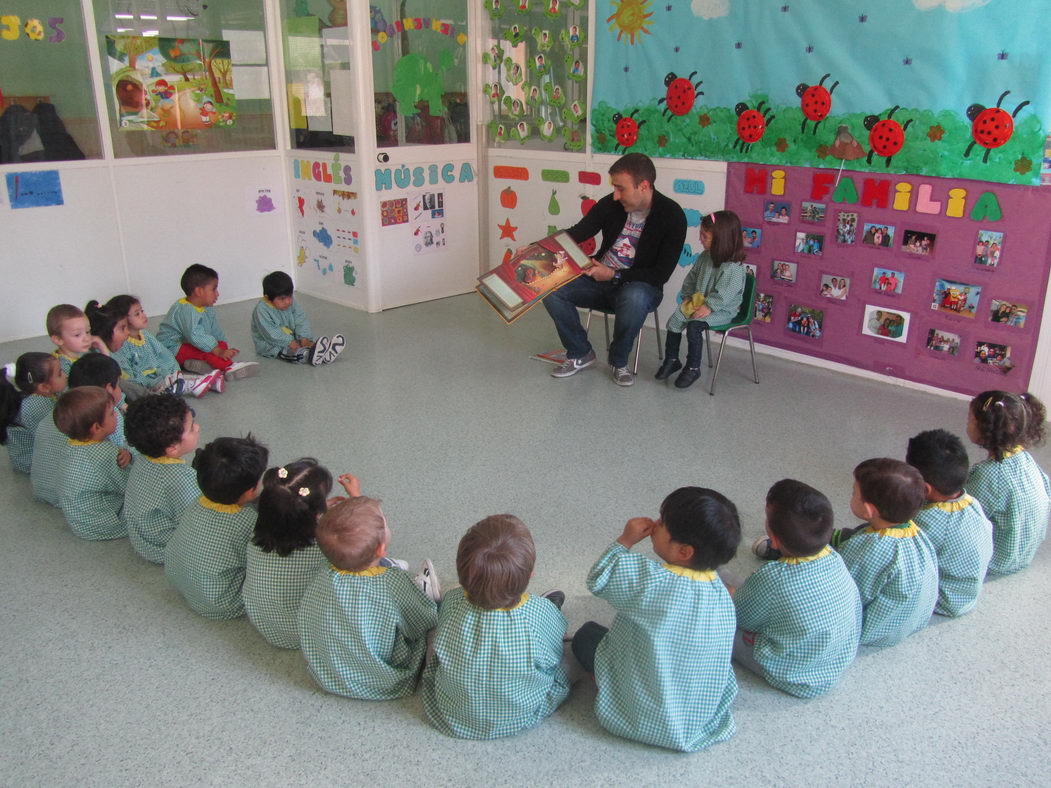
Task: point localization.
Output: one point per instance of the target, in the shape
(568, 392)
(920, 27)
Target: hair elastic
(304, 492)
(282, 472)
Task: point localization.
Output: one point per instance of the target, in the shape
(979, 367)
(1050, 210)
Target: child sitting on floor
(205, 557)
(147, 363)
(94, 476)
(954, 521)
(362, 625)
(95, 369)
(70, 330)
(799, 617)
(283, 556)
(891, 559)
(1012, 488)
(38, 379)
(162, 484)
(663, 668)
(192, 333)
(497, 663)
(280, 328)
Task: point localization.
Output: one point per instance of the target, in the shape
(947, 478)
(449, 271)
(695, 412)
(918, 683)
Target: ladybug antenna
(1018, 108)
(633, 112)
(759, 107)
(822, 80)
(893, 110)
(1002, 95)
(692, 75)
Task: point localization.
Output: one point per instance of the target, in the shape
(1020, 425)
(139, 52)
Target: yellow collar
(1013, 452)
(224, 508)
(371, 571)
(702, 575)
(903, 531)
(957, 504)
(169, 461)
(806, 558)
(184, 301)
(136, 342)
(521, 601)
(66, 356)
(75, 442)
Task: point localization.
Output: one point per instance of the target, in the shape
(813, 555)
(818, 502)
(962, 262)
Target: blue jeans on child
(630, 302)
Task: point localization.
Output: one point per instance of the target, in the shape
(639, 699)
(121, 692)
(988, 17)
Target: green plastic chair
(743, 320)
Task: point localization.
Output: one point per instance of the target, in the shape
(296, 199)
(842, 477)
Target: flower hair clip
(282, 472)
(304, 492)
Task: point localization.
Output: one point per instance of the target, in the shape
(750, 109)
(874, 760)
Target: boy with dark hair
(674, 619)
(205, 556)
(93, 477)
(162, 484)
(280, 328)
(191, 331)
(954, 521)
(891, 560)
(799, 617)
(497, 664)
(363, 625)
(95, 369)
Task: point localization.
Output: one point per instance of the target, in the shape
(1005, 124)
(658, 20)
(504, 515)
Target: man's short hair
(350, 533)
(638, 165)
(894, 487)
(195, 276)
(80, 409)
(228, 467)
(705, 520)
(155, 422)
(495, 561)
(799, 516)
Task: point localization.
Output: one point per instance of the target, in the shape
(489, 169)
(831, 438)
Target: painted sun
(630, 18)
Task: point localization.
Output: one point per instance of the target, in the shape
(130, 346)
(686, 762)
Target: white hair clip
(304, 491)
(10, 370)
(282, 472)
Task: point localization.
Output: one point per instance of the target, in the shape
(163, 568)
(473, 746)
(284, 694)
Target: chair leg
(708, 342)
(587, 323)
(638, 350)
(657, 334)
(718, 362)
(751, 346)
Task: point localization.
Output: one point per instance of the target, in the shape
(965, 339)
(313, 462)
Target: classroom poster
(428, 222)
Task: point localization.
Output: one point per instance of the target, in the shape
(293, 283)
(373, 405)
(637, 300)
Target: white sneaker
(427, 580)
(240, 370)
(320, 349)
(335, 347)
(197, 366)
(197, 386)
(394, 562)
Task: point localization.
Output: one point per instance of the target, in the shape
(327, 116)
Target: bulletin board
(945, 279)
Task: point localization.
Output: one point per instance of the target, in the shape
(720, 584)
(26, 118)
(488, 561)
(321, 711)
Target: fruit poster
(951, 88)
(171, 84)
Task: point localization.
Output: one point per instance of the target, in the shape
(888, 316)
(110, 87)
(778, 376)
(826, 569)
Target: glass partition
(47, 107)
(185, 76)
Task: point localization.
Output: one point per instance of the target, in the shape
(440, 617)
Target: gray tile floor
(109, 680)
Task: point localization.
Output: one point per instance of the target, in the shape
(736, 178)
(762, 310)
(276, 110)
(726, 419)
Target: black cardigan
(660, 244)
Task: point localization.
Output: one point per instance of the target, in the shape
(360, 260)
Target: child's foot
(762, 549)
(216, 381)
(320, 349)
(687, 377)
(394, 562)
(427, 580)
(335, 347)
(558, 598)
(669, 366)
(197, 366)
(194, 386)
(300, 356)
(178, 387)
(240, 370)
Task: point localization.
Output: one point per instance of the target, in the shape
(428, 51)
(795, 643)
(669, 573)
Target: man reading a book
(642, 238)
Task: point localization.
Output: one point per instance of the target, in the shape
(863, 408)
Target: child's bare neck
(135, 333)
(879, 524)
(195, 301)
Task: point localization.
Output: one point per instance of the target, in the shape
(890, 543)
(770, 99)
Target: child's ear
(247, 495)
(685, 552)
(927, 490)
(381, 550)
(57, 340)
(172, 451)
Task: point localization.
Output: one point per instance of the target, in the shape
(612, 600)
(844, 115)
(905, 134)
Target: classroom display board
(931, 280)
(952, 88)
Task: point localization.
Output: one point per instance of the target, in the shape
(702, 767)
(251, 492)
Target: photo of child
(987, 252)
(943, 342)
(1008, 314)
(998, 356)
(878, 235)
(956, 298)
(885, 323)
(813, 212)
(764, 307)
(916, 242)
(809, 243)
(752, 237)
(782, 271)
(887, 281)
(750, 269)
(846, 227)
(834, 286)
(776, 212)
(805, 320)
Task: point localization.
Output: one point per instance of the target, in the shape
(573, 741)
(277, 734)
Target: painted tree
(127, 49)
(223, 67)
(208, 52)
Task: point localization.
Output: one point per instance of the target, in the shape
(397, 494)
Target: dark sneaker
(558, 598)
(762, 549)
(668, 367)
(622, 376)
(573, 365)
(687, 377)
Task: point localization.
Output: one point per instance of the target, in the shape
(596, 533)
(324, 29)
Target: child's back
(92, 490)
(962, 537)
(273, 590)
(20, 436)
(50, 450)
(159, 490)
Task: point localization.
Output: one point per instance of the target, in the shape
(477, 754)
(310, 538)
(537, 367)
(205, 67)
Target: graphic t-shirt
(622, 253)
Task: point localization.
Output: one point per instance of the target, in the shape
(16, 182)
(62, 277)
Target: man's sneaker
(197, 366)
(394, 562)
(622, 376)
(240, 370)
(427, 580)
(558, 598)
(762, 549)
(321, 347)
(573, 365)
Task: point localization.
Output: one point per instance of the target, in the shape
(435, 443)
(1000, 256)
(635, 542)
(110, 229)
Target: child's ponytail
(1003, 421)
(1034, 433)
(102, 321)
(293, 497)
(30, 371)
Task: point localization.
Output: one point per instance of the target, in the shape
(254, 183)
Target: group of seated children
(312, 571)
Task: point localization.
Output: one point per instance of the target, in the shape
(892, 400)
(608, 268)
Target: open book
(518, 284)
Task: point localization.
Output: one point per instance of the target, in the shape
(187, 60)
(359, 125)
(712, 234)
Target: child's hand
(351, 484)
(99, 345)
(293, 346)
(123, 458)
(306, 342)
(231, 352)
(702, 311)
(636, 529)
(334, 500)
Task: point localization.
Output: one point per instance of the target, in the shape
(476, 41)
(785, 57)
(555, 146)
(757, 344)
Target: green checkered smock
(273, 328)
(159, 490)
(1017, 499)
(34, 409)
(205, 557)
(64, 361)
(896, 572)
(50, 449)
(494, 672)
(364, 634)
(117, 436)
(194, 325)
(145, 361)
(274, 587)
(663, 669)
(806, 616)
(963, 542)
(92, 491)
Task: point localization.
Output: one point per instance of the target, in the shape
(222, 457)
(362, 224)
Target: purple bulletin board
(946, 278)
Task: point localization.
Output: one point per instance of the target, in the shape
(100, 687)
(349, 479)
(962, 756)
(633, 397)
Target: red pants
(188, 351)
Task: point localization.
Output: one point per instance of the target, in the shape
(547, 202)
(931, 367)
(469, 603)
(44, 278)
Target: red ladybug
(751, 124)
(627, 130)
(682, 92)
(887, 136)
(991, 127)
(816, 101)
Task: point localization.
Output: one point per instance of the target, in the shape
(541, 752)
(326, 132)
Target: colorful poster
(428, 222)
(34, 189)
(170, 84)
